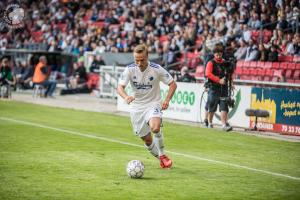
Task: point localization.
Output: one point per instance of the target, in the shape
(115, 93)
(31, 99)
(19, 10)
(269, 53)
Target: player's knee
(155, 129)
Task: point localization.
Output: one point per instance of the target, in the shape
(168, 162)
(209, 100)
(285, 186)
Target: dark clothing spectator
(185, 76)
(6, 74)
(263, 53)
(273, 54)
(252, 53)
(95, 66)
(81, 75)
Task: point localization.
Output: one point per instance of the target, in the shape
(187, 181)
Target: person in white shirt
(146, 103)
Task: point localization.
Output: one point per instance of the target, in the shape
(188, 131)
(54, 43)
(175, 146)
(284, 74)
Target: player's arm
(172, 89)
(124, 80)
(123, 94)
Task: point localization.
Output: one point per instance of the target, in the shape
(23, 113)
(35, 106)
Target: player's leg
(150, 145)
(142, 130)
(155, 126)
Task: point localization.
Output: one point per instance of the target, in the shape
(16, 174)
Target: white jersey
(145, 85)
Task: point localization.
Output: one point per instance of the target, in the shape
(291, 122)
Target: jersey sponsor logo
(141, 86)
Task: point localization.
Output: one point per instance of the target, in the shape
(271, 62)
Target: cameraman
(216, 73)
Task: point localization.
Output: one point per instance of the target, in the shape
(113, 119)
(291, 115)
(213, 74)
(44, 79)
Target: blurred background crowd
(259, 30)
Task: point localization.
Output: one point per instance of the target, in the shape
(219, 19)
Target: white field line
(141, 146)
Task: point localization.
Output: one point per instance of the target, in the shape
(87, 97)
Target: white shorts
(140, 119)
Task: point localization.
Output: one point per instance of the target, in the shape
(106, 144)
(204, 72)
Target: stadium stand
(79, 26)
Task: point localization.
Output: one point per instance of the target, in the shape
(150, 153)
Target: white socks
(152, 149)
(158, 140)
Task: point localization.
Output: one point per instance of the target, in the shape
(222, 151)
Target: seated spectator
(263, 53)
(78, 81)
(240, 53)
(293, 48)
(252, 52)
(41, 77)
(273, 54)
(79, 77)
(6, 75)
(25, 80)
(97, 62)
(185, 76)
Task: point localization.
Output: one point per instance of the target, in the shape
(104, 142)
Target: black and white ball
(135, 169)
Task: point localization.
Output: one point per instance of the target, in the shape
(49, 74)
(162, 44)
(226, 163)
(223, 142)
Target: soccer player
(146, 103)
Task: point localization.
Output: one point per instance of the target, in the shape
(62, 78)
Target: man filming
(218, 94)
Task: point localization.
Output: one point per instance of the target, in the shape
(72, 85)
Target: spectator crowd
(258, 30)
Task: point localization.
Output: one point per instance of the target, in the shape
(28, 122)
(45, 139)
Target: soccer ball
(135, 169)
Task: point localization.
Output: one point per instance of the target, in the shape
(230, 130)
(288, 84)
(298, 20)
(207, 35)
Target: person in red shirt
(218, 88)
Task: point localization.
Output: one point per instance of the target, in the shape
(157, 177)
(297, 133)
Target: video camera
(230, 65)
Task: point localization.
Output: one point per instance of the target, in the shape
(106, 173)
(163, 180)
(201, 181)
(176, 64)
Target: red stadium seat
(93, 81)
(246, 71)
(296, 59)
(284, 65)
(37, 36)
(253, 64)
(276, 65)
(100, 24)
(288, 74)
(260, 71)
(114, 27)
(284, 58)
(291, 66)
(199, 71)
(246, 64)
(253, 71)
(255, 78)
(62, 27)
(240, 63)
(163, 38)
(277, 73)
(268, 72)
(298, 66)
(193, 59)
(268, 65)
(275, 79)
(296, 75)
(266, 78)
(244, 77)
(238, 70)
(290, 80)
(260, 64)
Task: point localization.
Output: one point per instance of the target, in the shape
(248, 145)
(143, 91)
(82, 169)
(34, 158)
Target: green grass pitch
(51, 153)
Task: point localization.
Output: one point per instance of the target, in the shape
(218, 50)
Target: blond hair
(141, 48)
